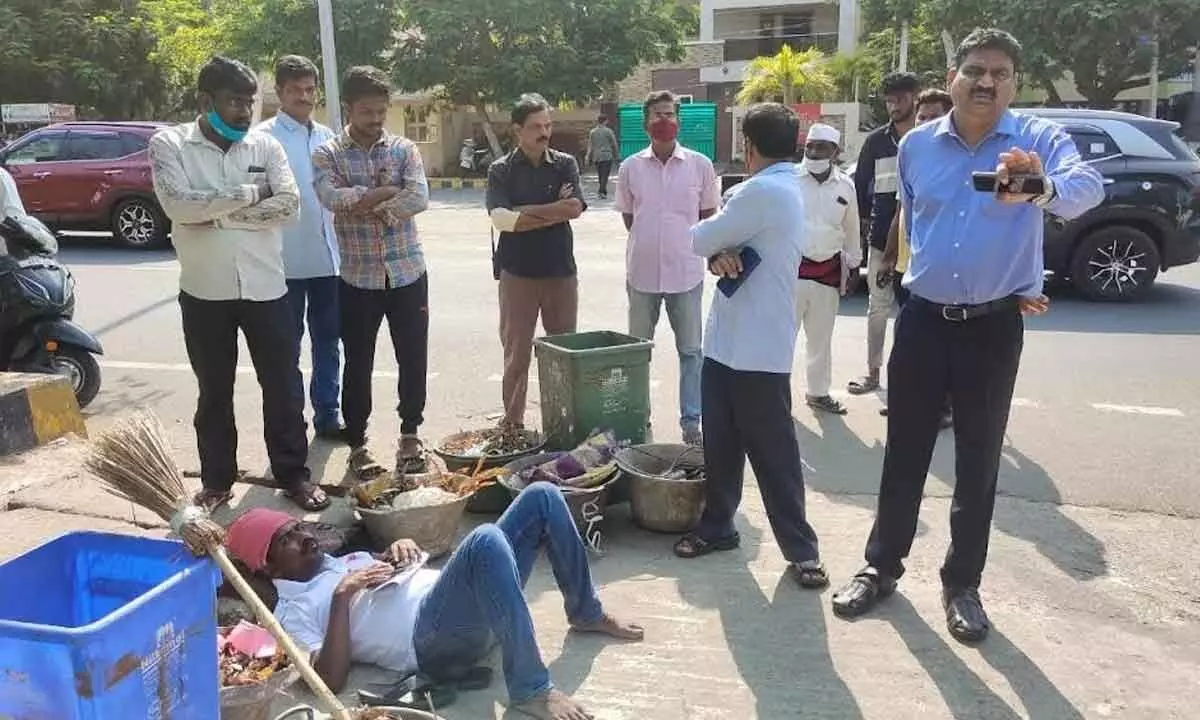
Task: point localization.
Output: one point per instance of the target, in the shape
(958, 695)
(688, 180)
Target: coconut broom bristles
(134, 462)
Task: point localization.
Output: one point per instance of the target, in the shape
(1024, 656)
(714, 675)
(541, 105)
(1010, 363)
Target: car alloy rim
(68, 368)
(1118, 265)
(136, 223)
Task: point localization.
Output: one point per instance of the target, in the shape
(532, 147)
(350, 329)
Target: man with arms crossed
(533, 194)
(229, 192)
(310, 251)
(832, 248)
(976, 268)
(392, 611)
(661, 192)
(748, 350)
(374, 183)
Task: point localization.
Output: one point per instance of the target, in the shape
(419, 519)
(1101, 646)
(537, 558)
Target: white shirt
(755, 330)
(10, 199)
(309, 245)
(381, 620)
(229, 245)
(830, 218)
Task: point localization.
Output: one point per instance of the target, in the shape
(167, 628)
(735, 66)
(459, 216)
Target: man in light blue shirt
(748, 350)
(975, 270)
(310, 251)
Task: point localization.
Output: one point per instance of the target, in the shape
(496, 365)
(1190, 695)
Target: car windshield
(1181, 148)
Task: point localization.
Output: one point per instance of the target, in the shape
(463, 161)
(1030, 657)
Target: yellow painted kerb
(53, 410)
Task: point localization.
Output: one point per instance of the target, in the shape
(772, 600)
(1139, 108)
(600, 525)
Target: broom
(133, 462)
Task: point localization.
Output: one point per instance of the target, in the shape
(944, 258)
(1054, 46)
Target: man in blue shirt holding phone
(975, 270)
(755, 243)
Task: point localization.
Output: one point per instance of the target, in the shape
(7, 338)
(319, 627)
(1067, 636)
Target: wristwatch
(1044, 200)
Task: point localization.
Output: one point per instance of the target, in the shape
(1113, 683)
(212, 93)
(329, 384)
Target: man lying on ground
(391, 611)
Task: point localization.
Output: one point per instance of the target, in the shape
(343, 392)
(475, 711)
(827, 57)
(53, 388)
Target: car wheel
(139, 224)
(1115, 263)
(80, 367)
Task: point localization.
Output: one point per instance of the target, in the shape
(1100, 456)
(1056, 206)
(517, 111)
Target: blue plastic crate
(95, 626)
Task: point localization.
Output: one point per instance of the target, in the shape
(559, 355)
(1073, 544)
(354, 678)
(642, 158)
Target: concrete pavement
(1094, 561)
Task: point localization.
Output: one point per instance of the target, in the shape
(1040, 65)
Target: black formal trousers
(974, 362)
(749, 414)
(407, 312)
(210, 332)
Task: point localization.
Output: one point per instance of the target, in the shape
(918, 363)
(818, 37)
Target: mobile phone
(1017, 184)
(750, 260)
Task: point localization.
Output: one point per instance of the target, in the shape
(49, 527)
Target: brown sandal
(364, 466)
(693, 546)
(211, 500)
(308, 497)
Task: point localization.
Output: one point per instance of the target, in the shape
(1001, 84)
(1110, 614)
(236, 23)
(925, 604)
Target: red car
(90, 176)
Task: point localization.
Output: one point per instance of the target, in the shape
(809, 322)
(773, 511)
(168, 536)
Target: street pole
(1154, 77)
(903, 64)
(333, 102)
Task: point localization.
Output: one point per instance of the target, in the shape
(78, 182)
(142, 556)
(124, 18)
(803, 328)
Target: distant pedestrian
(310, 251)
(875, 181)
(229, 192)
(374, 183)
(749, 347)
(533, 195)
(976, 268)
(832, 250)
(661, 192)
(603, 150)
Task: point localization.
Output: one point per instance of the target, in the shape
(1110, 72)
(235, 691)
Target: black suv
(1150, 218)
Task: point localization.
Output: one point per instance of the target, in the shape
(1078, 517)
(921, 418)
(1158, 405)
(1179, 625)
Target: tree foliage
(1103, 44)
(567, 50)
(790, 76)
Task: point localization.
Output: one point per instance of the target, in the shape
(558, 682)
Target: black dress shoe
(965, 618)
(862, 593)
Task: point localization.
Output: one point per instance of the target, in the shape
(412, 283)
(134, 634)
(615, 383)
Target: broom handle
(267, 618)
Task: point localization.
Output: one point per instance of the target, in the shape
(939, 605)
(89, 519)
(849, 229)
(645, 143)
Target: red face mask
(664, 129)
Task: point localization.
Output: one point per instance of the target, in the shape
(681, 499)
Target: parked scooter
(37, 302)
(474, 159)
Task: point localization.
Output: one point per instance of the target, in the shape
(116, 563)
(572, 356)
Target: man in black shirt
(875, 180)
(533, 194)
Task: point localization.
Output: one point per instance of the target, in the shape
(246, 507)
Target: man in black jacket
(875, 180)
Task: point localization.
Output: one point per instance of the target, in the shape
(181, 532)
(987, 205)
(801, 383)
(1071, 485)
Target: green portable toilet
(697, 128)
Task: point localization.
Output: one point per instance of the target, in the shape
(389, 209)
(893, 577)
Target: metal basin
(659, 503)
(434, 528)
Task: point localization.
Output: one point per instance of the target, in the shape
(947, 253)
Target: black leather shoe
(862, 593)
(965, 618)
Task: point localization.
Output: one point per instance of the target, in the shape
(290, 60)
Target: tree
(568, 50)
(1104, 44)
(789, 74)
(853, 74)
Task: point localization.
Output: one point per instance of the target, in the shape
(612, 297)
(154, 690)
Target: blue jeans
(685, 313)
(480, 593)
(319, 296)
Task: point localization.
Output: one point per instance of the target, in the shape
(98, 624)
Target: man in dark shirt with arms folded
(533, 194)
(976, 267)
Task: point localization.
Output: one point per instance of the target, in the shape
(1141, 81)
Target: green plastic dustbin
(593, 381)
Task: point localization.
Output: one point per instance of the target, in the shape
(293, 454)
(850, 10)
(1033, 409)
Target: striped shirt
(379, 248)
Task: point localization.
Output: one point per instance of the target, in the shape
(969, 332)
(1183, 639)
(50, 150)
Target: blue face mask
(223, 129)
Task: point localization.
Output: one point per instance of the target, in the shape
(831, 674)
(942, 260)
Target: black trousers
(749, 414)
(210, 330)
(975, 362)
(604, 169)
(407, 312)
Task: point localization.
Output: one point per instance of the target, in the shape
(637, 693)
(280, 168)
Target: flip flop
(210, 500)
(305, 497)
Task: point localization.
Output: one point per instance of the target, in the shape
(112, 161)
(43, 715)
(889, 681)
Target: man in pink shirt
(661, 192)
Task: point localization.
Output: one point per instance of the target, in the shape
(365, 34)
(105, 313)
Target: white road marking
(1139, 410)
(1025, 403)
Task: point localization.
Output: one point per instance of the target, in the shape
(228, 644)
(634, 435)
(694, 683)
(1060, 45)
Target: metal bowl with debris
(486, 449)
(590, 489)
(666, 485)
